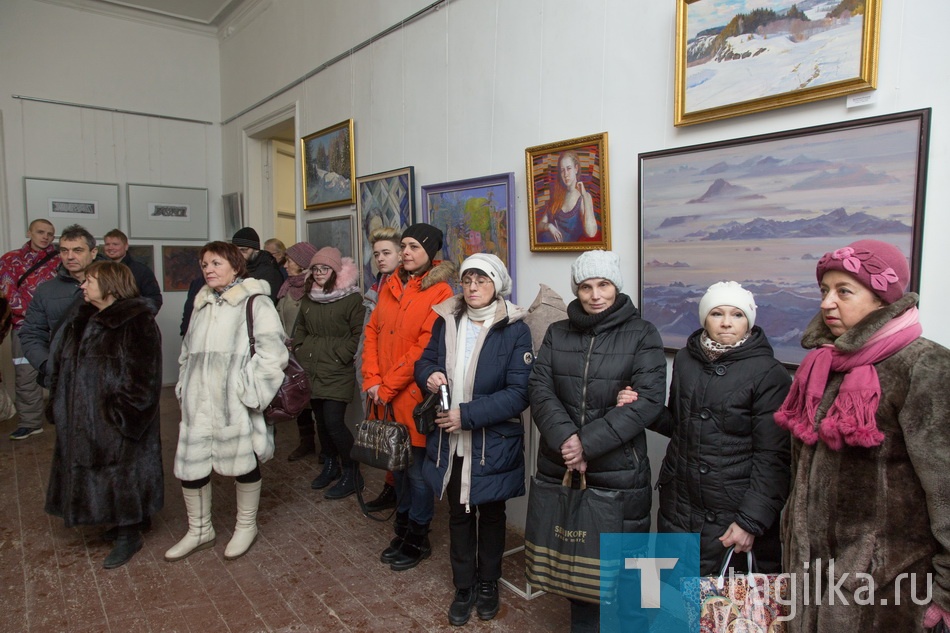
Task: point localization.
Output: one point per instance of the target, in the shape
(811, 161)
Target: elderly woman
(868, 410)
(584, 361)
(104, 393)
(481, 350)
(222, 391)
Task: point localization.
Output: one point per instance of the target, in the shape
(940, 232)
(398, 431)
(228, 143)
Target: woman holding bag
(480, 351)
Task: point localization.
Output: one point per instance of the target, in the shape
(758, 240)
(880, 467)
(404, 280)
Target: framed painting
(92, 205)
(475, 217)
(233, 206)
(568, 195)
(737, 57)
(179, 267)
(168, 213)
(762, 210)
(144, 253)
(328, 167)
(337, 230)
(383, 199)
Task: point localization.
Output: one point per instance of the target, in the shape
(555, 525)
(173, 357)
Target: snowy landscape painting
(741, 56)
(762, 210)
(328, 167)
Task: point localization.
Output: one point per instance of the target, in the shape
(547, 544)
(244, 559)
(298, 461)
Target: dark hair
(117, 233)
(76, 232)
(328, 286)
(114, 279)
(228, 251)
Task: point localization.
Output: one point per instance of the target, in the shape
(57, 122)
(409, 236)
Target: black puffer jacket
(727, 461)
(582, 364)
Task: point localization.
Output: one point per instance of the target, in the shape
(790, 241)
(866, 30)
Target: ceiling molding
(142, 12)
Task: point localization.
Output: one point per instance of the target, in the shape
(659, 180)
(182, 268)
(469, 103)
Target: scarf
(851, 418)
(293, 286)
(713, 350)
(318, 296)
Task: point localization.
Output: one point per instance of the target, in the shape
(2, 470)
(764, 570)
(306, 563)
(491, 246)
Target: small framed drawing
(737, 57)
(233, 204)
(179, 267)
(168, 213)
(92, 205)
(337, 230)
(328, 167)
(475, 217)
(568, 195)
(762, 210)
(386, 199)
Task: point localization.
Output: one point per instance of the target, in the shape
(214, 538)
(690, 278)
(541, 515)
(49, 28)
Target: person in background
(297, 265)
(868, 412)
(325, 337)
(279, 252)
(21, 272)
(584, 361)
(398, 331)
(726, 387)
(105, 386)
(385, 241)
(222, 390)
(260, 264)
(116, 248)
(480, 351)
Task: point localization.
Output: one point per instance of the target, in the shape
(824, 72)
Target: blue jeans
(413, 494)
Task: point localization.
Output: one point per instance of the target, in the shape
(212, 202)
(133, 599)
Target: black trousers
(336, 440)
(476, 538)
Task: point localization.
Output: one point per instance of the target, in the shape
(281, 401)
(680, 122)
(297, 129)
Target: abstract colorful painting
(383, 199)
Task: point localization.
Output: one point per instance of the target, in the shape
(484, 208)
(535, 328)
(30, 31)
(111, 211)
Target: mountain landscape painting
(763, 210)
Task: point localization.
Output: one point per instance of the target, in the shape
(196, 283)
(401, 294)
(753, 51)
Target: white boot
(200, 533)
(245, 529)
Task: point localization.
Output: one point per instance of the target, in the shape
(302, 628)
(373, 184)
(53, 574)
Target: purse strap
(249, 308)
(566, 481)
(725, 565)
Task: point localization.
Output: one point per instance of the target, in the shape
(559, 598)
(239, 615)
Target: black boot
(461, 608)
(128, 541)
(331, 471)
(486, 604)
(349, 482)
(306, 447)
(110, 535)
(385, 500)
(414, 549)
(401, 528)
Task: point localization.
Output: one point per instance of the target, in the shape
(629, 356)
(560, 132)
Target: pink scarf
(851, 419)
(293, 286)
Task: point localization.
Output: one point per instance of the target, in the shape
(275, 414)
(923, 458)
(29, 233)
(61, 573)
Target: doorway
(270, 151)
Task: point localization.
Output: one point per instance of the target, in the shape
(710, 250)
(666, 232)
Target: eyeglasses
(481, 282)
(320, 270)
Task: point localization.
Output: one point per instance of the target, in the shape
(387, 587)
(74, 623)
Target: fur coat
(881, 512)
(222, 389)
(104, 394)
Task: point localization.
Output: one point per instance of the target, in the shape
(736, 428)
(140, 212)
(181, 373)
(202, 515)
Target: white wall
(63, 54)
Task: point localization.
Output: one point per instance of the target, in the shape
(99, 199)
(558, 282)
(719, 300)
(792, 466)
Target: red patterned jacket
(12, 267)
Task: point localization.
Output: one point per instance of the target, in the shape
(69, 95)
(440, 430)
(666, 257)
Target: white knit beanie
(492, 266)
(596, 265)
(727, 293)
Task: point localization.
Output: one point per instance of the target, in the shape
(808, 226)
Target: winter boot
(486, 603)
(331, 472)
(349, 482)
(306, 447)
(127, 542)
(401, 528)
(200, 533)
(245, 528)
(415, 548)
(110, 535)
(385, 500)
(461, 608)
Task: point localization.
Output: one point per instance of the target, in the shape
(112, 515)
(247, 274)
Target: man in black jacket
(116, 248)
(260, 264)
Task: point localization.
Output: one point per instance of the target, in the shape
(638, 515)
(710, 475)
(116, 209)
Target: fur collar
(117, 314)
(442, 270)
(818, 334)
(235, 295)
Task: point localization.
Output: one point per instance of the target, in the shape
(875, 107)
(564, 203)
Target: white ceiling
(208, 13)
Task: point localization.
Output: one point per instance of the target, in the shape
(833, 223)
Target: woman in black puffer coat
(726, 471)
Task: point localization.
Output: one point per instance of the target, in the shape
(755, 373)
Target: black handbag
(293, 396)
(383, 444)
(424, 413)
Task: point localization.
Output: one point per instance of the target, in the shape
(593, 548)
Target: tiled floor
(314, 567)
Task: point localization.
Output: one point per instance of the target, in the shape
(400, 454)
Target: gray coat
(51, 301)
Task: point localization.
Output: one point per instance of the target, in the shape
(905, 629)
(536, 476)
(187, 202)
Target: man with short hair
(260, 264)
(116, 247)
(53, 298)
(21, 271)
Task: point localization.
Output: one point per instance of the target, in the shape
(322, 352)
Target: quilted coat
(582, 364)
(727, 461)
(222, 389)
(398, 331)
(104, 395)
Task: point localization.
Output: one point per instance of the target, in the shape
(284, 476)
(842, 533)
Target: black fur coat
(104, 394)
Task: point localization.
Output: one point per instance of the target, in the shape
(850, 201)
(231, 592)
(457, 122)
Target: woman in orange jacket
(397, 334)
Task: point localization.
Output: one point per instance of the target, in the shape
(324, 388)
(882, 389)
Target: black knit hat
(247, 237)
(429, 236)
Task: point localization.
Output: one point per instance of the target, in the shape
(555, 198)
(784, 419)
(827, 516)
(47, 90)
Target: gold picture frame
(329, 167)
(586, 225)
(727, 65)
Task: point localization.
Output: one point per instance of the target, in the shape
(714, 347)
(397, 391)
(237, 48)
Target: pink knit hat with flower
(880, 267)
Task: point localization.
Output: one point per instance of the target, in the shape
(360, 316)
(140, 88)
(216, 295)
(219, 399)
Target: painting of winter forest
(328, 167)
(741, 56)
(762, 210)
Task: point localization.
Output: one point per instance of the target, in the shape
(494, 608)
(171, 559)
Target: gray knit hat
(248, 238)
(596, 264)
